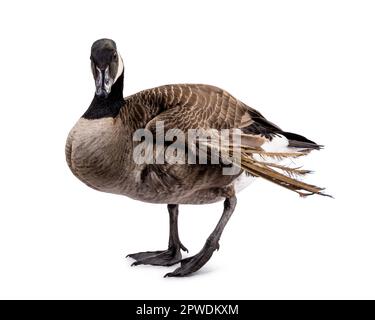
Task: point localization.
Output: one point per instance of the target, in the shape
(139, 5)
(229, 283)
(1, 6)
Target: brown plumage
(99, 150)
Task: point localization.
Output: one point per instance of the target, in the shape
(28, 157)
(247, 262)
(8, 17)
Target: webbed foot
(194, 263)
(166, 258)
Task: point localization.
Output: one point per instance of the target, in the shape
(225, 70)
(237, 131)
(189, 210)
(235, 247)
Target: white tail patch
(277, 144)
(243, 181)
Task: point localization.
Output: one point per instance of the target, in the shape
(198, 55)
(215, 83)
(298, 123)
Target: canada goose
(100, 151)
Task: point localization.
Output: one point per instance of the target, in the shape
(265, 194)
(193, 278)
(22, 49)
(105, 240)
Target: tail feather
(298, 141)
(254, 161)
(265, 171)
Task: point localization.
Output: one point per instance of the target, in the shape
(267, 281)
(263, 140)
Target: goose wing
(206, 107)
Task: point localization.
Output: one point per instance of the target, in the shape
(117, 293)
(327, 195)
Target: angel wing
(206, 107)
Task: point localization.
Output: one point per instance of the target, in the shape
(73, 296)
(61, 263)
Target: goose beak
(103, 82)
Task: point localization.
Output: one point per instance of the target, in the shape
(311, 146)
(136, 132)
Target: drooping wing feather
(206, 107)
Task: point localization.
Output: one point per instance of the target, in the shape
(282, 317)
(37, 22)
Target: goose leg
(167, 257)
(194, 263)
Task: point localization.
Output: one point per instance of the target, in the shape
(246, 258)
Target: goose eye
(115, 56)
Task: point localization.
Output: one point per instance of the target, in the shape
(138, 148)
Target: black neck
(109, 106)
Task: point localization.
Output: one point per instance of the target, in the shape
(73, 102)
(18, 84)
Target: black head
(106, 66)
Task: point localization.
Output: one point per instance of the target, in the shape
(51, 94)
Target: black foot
(157, 258)
(194, 263)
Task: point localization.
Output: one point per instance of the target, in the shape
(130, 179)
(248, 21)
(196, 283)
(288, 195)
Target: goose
(100, 151)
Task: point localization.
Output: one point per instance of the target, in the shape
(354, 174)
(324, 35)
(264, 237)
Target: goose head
(106, 66)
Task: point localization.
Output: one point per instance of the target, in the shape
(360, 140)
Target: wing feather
(208, 107)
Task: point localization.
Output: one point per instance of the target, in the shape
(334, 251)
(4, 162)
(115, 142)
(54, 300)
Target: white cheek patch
(120, 68)
(98, 80)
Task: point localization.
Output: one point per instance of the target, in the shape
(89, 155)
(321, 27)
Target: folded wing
(260, 141)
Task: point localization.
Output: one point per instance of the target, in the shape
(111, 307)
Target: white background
(308, 66)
